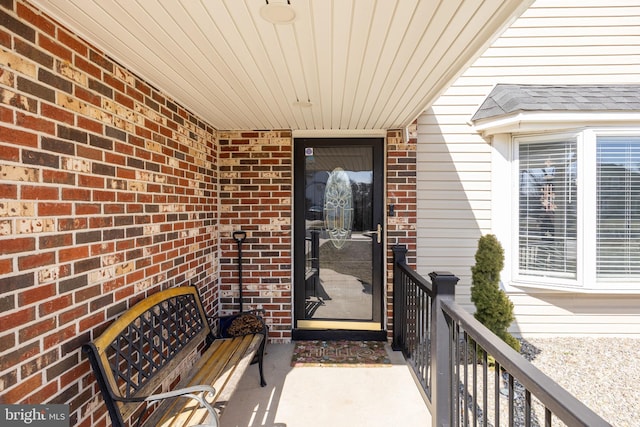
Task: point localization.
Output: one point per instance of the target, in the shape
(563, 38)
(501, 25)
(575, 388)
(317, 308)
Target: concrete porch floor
(326, 396)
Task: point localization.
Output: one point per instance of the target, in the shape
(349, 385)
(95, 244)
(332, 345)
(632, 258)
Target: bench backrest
(134, 355)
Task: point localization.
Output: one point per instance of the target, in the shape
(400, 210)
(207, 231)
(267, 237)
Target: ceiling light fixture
(303, 104)
(278, 13)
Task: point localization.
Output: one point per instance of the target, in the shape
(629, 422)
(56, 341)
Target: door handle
(378, 233)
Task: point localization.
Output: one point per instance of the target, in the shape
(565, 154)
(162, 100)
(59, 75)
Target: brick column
(401, 192)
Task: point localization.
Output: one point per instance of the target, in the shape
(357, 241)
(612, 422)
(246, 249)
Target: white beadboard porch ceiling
(341, 65)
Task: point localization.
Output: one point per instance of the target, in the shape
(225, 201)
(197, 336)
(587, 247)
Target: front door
(338, 235)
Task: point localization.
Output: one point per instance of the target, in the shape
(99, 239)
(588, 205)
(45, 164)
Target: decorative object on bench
(163, 350)
(244, 324)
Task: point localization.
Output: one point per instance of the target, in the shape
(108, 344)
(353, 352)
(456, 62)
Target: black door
(338, 236)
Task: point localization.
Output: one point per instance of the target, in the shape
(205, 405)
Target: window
(618, 207)
(580, 232)
(547, 209)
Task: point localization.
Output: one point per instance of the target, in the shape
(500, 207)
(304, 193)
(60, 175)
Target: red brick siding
(255, 196)
(401, 192)
(108, 193)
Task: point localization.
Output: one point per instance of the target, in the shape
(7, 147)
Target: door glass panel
(339, 233)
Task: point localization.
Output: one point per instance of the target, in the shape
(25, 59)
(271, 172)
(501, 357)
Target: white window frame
(506, 148)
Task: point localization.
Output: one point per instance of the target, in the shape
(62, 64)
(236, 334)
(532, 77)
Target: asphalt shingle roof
(510, 98)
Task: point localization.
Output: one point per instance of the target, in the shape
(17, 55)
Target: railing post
(399, 309)
(441, 349)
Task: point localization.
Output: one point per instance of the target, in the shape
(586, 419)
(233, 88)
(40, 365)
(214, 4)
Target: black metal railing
(469, 375)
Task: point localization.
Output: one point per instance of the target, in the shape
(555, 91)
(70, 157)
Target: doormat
(340, 353)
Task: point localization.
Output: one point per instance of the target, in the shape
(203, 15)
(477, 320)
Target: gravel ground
(603, 373)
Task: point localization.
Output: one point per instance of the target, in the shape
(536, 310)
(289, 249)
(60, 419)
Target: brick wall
(107, 193)
(255, 196)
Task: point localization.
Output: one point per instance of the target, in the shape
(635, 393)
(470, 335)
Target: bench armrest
(190, 392)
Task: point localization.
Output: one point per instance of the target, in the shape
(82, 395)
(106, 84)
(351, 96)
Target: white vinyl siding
(555, 41)
(552, 314)
(454, 196)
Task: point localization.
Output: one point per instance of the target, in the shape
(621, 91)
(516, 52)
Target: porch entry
(338, 237)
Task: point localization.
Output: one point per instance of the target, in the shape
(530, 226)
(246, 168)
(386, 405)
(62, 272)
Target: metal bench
(160, 363)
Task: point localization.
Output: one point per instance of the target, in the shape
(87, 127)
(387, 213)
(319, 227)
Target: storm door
(338, 235)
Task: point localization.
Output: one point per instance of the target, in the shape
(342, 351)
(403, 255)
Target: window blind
(547, 209)
(618, 207)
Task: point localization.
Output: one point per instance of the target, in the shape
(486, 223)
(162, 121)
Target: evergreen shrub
(493, 307)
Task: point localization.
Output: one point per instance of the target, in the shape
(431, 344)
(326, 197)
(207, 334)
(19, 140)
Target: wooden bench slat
(215, 367)
(246, 357)
(213, 361)
(222, 366)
